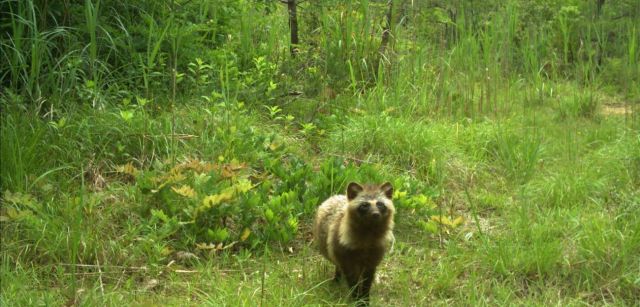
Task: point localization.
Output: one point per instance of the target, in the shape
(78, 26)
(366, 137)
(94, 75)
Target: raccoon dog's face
(371, 203)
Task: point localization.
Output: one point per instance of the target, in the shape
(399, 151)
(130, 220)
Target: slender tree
(386, 33)
(293, 24)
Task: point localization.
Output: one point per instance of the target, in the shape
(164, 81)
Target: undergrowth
(174, 152)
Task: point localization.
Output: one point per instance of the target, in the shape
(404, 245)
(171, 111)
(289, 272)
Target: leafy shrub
(231, 202)
(206, 204)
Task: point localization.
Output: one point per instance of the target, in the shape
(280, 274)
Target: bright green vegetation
(173, 152)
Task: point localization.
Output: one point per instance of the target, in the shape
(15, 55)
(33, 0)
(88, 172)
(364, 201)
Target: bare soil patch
(609, 109)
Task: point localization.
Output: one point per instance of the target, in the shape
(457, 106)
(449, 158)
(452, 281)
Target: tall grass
(22, 153)
(489, 114)
(29, 51)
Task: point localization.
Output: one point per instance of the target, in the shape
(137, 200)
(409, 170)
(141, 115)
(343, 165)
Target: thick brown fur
(354, 231)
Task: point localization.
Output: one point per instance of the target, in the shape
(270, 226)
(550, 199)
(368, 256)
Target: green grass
(125, 182)
(556, 225)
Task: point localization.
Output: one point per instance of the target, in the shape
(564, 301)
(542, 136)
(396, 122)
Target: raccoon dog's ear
(353, 189)
(387, 189)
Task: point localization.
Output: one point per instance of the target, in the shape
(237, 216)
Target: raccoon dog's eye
(363, 207)
(381, 206)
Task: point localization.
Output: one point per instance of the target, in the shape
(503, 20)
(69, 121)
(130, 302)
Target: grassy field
(191, 176)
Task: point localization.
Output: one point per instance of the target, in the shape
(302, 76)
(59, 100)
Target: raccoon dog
(354, 231)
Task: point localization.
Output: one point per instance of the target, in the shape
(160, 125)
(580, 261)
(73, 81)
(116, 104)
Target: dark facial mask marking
(363, 208)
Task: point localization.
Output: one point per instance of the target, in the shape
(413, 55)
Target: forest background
(173, 152)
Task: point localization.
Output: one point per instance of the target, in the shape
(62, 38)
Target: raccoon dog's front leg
(359, 282)
(353, 281)
(368, 277)
(338, 274)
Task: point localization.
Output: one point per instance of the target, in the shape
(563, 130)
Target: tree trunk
(293, 25)
(599, 4)
(386, 33)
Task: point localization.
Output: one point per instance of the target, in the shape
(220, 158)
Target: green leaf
(218, 235)
(268, 214)
(142, 101)
(127, 115)
(429, 226)
(160, 215)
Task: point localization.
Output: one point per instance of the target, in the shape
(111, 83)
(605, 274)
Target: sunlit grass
(500, 126)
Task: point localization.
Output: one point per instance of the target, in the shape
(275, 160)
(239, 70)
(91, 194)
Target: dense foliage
(144, 133)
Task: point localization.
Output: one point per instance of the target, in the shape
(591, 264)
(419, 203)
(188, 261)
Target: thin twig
(264, 275)
(143, 268)
(100, 277)
(119, 280)
(96, 273)
(186, 271)
(174, 135)
(474, 213)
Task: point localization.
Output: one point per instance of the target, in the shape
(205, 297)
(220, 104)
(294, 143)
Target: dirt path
(617, 109)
